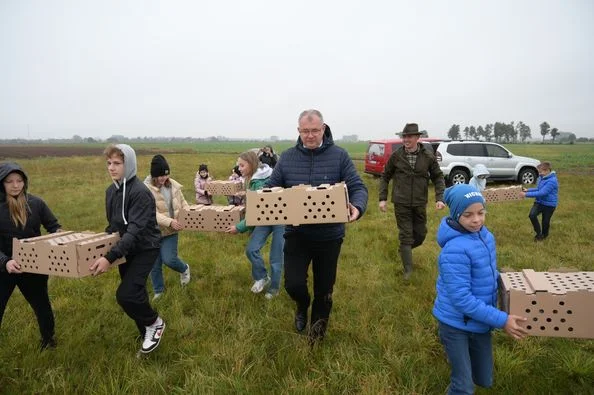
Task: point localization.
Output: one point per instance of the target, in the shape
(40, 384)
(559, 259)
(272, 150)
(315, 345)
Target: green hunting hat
(410, 129)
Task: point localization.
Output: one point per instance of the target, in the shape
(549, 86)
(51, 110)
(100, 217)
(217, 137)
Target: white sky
(247, 68)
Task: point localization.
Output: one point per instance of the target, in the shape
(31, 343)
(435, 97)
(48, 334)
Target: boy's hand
(13, 267)
(100, 266)
(512, 326)
(232, 230)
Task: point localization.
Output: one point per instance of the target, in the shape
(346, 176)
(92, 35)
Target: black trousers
(323, 255)
(34, 289)
(131, 294)
(547, 213)
(412, 224)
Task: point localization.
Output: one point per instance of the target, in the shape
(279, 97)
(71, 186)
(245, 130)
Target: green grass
(221, 338)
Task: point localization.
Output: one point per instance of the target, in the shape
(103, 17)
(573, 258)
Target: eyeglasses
(313, 132)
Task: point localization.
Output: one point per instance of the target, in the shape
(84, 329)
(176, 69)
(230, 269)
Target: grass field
(221, 338)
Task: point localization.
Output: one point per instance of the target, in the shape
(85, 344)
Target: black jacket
(141, 232)
(137, 222)
(38, 214)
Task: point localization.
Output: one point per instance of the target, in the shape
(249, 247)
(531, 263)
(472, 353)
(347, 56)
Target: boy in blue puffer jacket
(466, 302)
(547, 196)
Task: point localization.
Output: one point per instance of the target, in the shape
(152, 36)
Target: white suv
(457, 158)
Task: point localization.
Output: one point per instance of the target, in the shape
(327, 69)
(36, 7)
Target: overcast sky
(247, 68)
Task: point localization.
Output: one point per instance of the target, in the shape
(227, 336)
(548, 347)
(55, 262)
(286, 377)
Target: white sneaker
(152, 337)
(259, 285)
(184, 277)
(157, 296)
(271, 293)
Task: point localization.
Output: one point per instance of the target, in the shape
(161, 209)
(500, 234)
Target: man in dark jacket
(410, 167)
(315, 160)
(131, 212)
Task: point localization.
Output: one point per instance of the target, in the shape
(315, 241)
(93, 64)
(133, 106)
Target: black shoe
(539, 238)
(317, 331)
(300, 320)
(48, 343)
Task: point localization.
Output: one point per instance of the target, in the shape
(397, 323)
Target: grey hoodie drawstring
(123, 200)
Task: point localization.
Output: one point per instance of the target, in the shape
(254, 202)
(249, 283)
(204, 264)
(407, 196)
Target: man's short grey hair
(310, 114)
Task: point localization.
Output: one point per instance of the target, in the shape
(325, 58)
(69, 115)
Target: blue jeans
(167, 256)
(252, 251)
(470, 356)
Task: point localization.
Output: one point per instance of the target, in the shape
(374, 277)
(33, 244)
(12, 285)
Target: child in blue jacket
(547, 196)
(466, 302)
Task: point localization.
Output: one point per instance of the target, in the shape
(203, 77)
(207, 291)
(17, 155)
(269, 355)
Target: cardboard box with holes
(225, 188)
(507, 194)
(299, 205)
(557, 304)
(64, 254)
(210, 218)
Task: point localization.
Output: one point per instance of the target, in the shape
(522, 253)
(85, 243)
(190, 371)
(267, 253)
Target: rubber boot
(407, 260)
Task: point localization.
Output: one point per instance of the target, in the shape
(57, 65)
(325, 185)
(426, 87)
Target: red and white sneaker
(152, 337)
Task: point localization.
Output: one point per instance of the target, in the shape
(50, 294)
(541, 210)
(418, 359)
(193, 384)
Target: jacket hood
(5, 169)
(262, 172)
(129, 162)
(480, 170)
(129, 172)
(327, 141)
(450, 229)
(552, 174)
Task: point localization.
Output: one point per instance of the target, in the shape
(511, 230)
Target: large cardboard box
(64, 254)
(226, 188)
(303, 204)
(556, 304)
(210, 218)
(506, 194)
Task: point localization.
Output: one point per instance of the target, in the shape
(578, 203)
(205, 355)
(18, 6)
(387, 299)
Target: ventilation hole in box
(319, 210)
(528, 327)
(570, 329)
(261, 199)
(327, 196)
(279, 198)
(305, 204)
(332, 202)
(315, 217)
(285, 218)
(561, 303)
(276, 218)
(541, 311)
(549, 320)
(555, 311)
(309, 197)
(563, 320)
(533, 302)
(280, 211)
(262, 212)
(324, 216)
(309, 210)
(323, 203)
(535, 319)
(305, 217)
(333, 216)
(275, 205)
(556, 328)
(542, 328)
(569, 312)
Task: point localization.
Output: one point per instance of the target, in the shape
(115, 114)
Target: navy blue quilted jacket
(327, 164)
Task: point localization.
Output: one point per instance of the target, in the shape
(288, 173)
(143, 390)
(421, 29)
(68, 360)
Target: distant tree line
(502, 132)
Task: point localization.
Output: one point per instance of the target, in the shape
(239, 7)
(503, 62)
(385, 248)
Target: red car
(379, 151)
